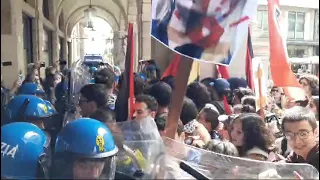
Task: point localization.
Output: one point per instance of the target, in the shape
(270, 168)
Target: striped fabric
(210, 30)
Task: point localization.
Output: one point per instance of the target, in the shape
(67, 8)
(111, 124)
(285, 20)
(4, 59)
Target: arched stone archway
(118, 3)
(102, 12)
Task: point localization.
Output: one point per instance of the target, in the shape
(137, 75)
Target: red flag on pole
(282, 75)
(125, 96)
(130, 56)
(223, 72)
(249, 63)
(173, 67)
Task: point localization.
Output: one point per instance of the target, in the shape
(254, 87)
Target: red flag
(282, 75)
(249, 63)
(173, 67)
(130, 47)
(223, 72)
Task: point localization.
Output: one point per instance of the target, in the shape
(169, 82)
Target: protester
(208, 117)
(249, 131)
(145, 106)
(92, 97)
(240, 93)
(301, 131)
(188, 117)
(221, 147)
(162, 93)
(169, 80)
(310, 84)
(199, 94)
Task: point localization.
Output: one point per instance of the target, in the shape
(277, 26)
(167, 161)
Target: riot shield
(219, 166)
(140, 148)
(78, 76)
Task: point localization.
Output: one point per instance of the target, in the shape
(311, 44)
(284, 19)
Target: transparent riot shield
(140, 148)
(78, 76)
(218, 166)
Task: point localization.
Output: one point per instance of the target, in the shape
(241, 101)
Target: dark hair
(303, 103)
(315, 100)
(105, 76)
(211, 116)
(139, 85)
(199, 94)
(161, 91)
(189, 111)
(161, 122)
(169, 80)
(95, 93)
(248, 109)
(249, 100)
(241, 92)
(221, 147)
(150, 101)
(284, 146)
(213, 93)
(256, 133)
(297, 114)
(312, 80)
(104, 115)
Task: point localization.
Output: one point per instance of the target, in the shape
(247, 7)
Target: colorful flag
(126, 93)
(249, 57)
(281, 73)
(173, 67)
(222, 72)
(209, 30)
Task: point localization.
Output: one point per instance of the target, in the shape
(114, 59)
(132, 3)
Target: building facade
(300, 27)
(42, 30)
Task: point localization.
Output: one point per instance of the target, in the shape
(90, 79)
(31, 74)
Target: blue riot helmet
(143, 76)
(31, 89)
(51, 108)
(93, 70)
(25, 152)
(30, 108)
(84, 149)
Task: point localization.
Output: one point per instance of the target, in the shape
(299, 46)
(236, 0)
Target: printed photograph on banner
(206, 30)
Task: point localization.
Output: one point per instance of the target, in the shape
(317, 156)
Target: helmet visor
(84, 168)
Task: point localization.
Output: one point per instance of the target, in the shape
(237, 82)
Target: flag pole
(177, 97)
(261, 97)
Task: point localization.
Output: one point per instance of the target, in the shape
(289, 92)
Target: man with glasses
(92, 97)
(301, 131)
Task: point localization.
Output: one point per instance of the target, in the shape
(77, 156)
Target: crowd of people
(287, 131)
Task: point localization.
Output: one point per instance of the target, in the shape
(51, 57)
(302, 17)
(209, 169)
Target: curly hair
(313, 82)
(256, 133)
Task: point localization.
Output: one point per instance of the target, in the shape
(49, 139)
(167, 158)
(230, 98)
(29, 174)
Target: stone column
(12, 40)
(56, 46)
(133, 18)
(146, 29)
(37, 36)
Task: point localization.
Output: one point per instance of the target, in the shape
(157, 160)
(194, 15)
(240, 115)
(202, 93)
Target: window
(296, 25)
(45, 9)
(47, 47)
(262, 18)
(27, 38)
(296, 51)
